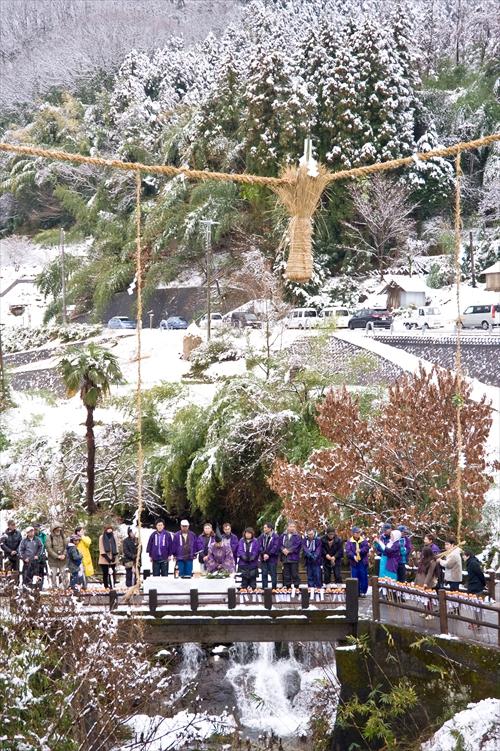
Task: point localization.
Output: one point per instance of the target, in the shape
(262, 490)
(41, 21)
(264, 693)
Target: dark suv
(242, 320)
(377, 317)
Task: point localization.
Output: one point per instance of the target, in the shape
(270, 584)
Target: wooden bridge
(235, 616)
(330, 614)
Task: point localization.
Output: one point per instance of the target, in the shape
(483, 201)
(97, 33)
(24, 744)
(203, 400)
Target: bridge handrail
(442, 597)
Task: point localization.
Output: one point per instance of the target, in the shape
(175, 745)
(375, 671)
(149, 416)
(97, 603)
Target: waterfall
(192, 656)
(279, 694)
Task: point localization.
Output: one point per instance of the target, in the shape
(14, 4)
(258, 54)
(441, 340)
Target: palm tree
(91, 371)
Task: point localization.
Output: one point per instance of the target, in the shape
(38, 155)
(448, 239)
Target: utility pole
(63, 277)
(208, 247)
(472, 266)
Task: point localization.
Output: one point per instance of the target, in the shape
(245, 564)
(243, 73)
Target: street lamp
(208, 246)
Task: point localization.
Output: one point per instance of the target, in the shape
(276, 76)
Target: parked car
(379, 318)
(243, 320)
(216, 321)
(339, 316)
(121, 322)
(302, 318)
(174, 322)
(480, 316)
(426, 317)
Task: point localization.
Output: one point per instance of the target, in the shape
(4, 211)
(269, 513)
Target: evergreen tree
(277, 113)
(431, 181)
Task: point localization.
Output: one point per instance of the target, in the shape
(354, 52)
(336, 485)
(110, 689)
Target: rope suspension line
(138, 393)
(458, 350)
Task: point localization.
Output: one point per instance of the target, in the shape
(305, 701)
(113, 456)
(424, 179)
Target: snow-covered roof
(495, 269)
(406, 283)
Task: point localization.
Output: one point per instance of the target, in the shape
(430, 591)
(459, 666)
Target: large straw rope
(458, 351)
(169, 171)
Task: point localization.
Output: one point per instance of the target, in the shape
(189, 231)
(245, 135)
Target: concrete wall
(188, 302)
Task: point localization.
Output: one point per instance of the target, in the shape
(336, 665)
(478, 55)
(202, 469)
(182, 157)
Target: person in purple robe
(248, 559)
(230, 538)
(291, 547)
(159, 549)
(185, 548)
(269, 553)
(392, 552)
(311, 546)
(205, 540)
(220, 557)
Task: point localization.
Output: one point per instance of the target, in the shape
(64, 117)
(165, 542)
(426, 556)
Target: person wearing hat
(30, 551)
(219, 557)
(379, 544)
(332, 551)
(74, 562)
(10, 543)
(83, 546)
(56, 550)
(356, 550)
(185, 547)
(108, 556)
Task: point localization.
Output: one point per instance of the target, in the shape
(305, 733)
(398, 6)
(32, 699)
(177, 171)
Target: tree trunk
(89, 423)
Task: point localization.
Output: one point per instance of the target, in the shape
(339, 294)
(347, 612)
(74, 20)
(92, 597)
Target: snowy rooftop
(495, 269)
(406, 283)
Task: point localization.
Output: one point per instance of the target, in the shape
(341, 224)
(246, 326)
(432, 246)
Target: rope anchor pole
(458, 351)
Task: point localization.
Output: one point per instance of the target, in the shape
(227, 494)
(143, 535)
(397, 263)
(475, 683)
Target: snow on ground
(476, 728)
(159, 733)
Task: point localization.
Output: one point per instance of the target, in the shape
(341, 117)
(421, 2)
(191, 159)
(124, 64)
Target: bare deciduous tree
(382, 221)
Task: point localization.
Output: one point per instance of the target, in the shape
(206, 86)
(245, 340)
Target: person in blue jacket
(356, 550)
(269, 554)
(379, 545)
(311, 546)
(291, 547)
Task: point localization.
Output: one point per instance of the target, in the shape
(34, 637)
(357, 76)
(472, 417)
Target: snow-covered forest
(367, 81)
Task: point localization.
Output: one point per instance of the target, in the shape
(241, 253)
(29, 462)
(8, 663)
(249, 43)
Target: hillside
(374, 82)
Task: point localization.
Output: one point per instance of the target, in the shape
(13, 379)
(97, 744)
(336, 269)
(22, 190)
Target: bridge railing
(457, 614)
(301, 598)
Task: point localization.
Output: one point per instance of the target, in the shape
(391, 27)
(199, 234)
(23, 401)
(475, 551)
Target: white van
(339, 316)
(302, 318)
(216, 321)
(481, 316)
(426, 317)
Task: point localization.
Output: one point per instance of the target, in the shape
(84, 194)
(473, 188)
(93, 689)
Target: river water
(259, 692)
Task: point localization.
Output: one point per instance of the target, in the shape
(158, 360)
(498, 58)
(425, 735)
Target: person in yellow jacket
(84, 548)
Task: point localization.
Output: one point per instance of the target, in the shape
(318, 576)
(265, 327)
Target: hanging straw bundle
(300, 195)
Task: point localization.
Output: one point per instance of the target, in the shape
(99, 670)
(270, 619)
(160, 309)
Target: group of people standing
(68, 561)
(65, 558)
(221, 553)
